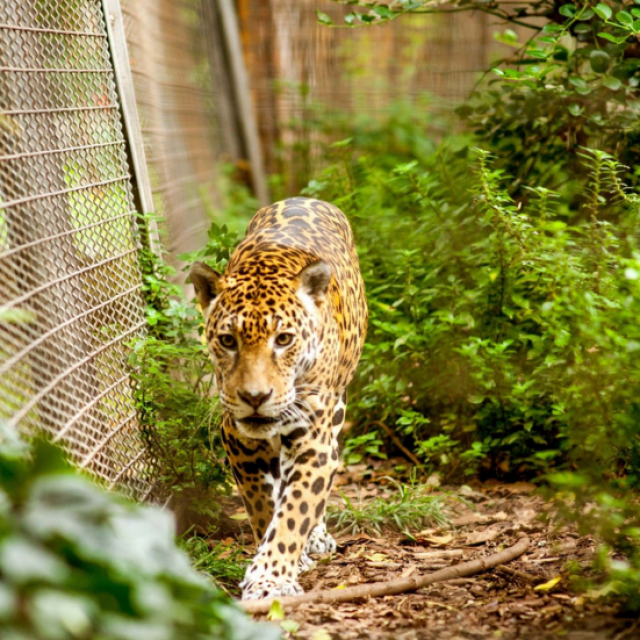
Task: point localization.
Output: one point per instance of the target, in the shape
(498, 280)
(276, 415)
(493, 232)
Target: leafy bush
(174, 386)
(299, 161)
(571, 81)
(503, 334)
(494, 322)
(78, 563)
(507, 295)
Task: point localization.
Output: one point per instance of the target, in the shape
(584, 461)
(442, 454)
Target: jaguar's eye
(284, 339)
(227, 341)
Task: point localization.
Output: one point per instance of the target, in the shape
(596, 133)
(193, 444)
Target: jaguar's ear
(207, 283)
(314, 281)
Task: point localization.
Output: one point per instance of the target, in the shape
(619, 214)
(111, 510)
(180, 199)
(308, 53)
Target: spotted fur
(285, 326)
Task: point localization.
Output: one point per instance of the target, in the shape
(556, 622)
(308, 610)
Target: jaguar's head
(263, 333)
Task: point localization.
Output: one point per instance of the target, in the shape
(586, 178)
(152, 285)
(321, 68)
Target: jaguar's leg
(320, 540)
(307, 468)
(256, 468)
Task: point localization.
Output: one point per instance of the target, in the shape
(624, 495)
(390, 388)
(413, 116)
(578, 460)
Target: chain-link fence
(107, 108)
(69, 281)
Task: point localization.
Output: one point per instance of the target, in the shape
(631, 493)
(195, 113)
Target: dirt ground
(531, 598)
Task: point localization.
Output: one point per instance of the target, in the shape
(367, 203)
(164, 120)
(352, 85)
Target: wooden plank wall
(301, 72)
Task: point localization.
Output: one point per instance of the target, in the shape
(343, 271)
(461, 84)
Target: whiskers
(293, 414)
(300, 411)
(302, 404)
(311, 389)
(227, 401)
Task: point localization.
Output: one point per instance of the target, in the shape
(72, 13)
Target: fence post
(141, 181)
(231, 133)
(240, 82)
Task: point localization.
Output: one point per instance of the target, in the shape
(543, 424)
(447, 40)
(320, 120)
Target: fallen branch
(527, 577)
(392, 587)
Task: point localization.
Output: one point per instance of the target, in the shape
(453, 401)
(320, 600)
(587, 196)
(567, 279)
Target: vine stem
(411, 456)
(392, 587)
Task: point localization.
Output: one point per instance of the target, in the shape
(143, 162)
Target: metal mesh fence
(69, 283)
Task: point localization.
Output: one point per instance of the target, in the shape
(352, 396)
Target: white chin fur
(258, 431)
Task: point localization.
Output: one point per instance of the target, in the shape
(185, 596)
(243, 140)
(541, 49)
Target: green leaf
(568, 10)
(23, 561)
(383, 12)
(539, 53)
(513, 73)
(577, 82)
(610, 38)
(276, 612)
(612, 83)
(323, 18)
(599, 60)
(575, 110)
(290, 626)
(624, 17)
(62, 615)
(603, 11)
(508, 37)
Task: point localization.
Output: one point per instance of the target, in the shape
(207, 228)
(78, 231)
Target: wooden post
(246, 115)
(126, 93)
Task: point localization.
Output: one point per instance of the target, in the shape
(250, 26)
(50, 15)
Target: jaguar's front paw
(320, 540)
(270, 588)
(305, 563)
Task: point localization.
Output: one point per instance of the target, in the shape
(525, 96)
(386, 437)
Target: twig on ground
(392, 587)
(527, 577)
(441, 554)
(629, 632)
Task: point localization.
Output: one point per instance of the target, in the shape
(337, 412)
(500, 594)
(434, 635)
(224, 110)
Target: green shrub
(506, 296)
(570, 80)
(174, 388)
(78, 563)
(503, 334)
(496, 326)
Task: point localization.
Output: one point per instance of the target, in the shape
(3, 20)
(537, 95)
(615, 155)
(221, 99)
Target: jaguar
(284, 326)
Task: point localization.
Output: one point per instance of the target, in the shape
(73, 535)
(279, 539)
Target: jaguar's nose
(254, 398)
